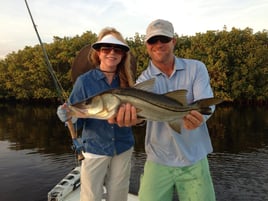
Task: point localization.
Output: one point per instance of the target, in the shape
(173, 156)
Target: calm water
(35, 153)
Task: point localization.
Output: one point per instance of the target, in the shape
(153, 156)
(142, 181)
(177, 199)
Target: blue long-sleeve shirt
(162, 144)
(98, 136)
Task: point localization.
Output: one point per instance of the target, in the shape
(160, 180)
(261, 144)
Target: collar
(178, 65)
(99, 74)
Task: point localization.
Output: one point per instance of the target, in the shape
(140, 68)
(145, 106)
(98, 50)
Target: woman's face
(110, 56)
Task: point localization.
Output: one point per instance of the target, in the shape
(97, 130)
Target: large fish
(169, 107)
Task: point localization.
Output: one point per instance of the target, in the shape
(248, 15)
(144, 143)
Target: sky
(69, 18)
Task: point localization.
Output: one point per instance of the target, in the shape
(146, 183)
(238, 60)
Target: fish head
(101, 106)
(87, 108)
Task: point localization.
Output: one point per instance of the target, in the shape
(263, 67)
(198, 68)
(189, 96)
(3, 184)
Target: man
(174, 159)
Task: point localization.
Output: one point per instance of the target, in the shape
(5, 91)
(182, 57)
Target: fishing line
(61, 94)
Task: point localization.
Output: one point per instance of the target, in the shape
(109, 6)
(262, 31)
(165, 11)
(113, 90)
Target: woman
(107, 147)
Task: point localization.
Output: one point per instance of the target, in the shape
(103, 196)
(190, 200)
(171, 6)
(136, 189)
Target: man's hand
(192, 120)
(126, 116)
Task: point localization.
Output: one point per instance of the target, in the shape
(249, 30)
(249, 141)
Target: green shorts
(193, 183)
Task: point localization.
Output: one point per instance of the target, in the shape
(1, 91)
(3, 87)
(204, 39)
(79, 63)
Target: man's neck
(166, 67)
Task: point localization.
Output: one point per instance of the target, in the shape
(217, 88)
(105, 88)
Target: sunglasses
(162, 39)
(108, 49)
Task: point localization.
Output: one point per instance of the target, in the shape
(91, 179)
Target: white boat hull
(68, 189)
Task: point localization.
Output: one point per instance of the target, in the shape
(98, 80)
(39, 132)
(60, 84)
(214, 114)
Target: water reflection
(239, 129)
(242, 176)
(35, 152)
(28, 127)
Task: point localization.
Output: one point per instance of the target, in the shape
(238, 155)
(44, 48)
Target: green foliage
(237, 63)
(138, 49)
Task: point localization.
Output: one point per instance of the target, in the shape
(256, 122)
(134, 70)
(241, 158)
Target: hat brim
(110, 40)
(97, 46)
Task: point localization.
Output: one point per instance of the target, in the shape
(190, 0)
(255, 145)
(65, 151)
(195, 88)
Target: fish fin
(141, 118)
(175, 125)
(147, 85)
(178, 95)
(138, 110)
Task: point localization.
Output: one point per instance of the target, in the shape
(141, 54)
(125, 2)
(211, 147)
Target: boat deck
(68, 189)
(75, 196)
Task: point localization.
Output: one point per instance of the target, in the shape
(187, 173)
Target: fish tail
(205, 110)
(204, 105)
(206, 102)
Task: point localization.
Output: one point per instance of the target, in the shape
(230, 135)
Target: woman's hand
(126, 116)
(63, 112)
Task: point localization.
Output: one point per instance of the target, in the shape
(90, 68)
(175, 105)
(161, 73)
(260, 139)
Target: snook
(169, 107)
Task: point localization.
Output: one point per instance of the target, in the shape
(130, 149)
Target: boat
(68, 189)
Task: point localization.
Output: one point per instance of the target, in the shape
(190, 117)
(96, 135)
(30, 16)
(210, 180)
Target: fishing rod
(60, 91)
